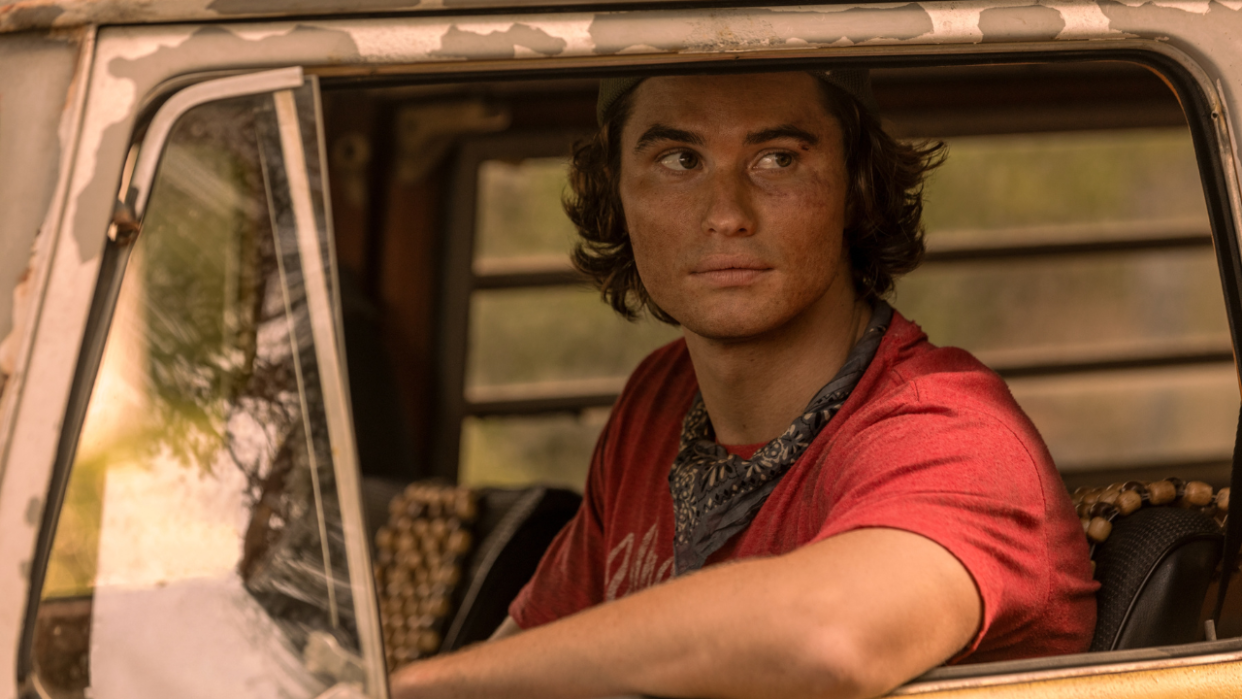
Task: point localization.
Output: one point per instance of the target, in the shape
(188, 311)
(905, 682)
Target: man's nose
(729, 209)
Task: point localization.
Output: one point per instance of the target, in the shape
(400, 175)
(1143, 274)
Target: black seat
(1154, 571)
(516, 527)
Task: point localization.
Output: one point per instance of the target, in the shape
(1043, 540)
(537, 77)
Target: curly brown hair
(884, 205)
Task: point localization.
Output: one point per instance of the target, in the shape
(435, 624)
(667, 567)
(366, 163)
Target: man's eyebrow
(783, 131)
(660, 132)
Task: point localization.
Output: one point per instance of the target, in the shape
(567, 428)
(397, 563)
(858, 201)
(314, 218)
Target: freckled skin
(779, 203)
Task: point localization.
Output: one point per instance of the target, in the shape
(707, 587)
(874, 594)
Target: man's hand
(850, 616)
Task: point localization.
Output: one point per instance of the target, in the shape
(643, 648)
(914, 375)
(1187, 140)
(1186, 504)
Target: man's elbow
(841, 664)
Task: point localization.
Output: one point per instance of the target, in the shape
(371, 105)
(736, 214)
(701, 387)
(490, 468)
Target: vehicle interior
(1069, 247)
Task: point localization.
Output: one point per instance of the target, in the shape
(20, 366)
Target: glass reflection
(200, 551)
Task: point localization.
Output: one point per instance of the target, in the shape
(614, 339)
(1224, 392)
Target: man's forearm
(834, 619)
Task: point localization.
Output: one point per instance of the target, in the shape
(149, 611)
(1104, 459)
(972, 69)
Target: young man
(883, 505)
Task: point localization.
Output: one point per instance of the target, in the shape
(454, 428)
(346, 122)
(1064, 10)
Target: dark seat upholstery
(516, 527)
(1154, 570)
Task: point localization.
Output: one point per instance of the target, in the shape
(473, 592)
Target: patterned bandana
(716, 494)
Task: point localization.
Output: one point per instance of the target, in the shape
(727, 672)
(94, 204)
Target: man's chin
(730, 329)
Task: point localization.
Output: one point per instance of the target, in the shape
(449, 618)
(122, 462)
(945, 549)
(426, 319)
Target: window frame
(308, 211)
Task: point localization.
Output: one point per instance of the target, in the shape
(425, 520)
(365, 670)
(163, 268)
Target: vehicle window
(546, 356)
(1068, 248)
(201, 549)
(1079, 265)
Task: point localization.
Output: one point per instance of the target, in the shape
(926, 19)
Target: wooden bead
(405, 542)
(428, 641)
(1161, 492)
(409, 559)
(1103, 509)
(414, 509)
(1091, 496)
(383, 538)
(1099, 529)
(1128, 501)
(1109, 496)
(409, 608)
(1198, 493)
(439, 528)
(396, 506)
(459, 542)
(448, 575)
(436, 606)
(465, 507)
(1086, 523)
(1222, 500)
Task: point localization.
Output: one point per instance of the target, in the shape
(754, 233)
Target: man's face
(734, 196)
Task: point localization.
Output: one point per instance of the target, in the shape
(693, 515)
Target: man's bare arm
(851, 616)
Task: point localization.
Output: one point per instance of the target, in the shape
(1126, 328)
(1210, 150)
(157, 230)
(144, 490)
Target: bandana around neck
(716, 494)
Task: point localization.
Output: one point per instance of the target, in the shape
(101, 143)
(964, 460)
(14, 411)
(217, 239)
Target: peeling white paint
(252, 32)
(110, 101)
(956, 20)
(21, 317)
(576, 31)
(384, 42)
(1198, 7)
(1083, 19)
(639, 48)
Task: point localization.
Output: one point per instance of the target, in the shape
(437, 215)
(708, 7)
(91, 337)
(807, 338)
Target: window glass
(1155, 304)
(515, 451)
(996, 190)
(538, 342)
(520, 218)
(201, 550)
(554, 334)
(1067, 308)
(1135, 418)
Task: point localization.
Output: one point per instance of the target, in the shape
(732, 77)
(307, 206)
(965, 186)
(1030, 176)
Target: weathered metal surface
(43, 150)
(131, 63)
(36, 72)
(1207, 681)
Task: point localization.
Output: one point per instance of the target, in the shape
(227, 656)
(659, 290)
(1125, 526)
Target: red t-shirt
(930, 442)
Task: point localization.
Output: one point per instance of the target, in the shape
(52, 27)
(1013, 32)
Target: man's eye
(681, 160)
(774, 161)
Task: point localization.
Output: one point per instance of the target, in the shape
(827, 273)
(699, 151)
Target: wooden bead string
(418, 567)
(1098, 508)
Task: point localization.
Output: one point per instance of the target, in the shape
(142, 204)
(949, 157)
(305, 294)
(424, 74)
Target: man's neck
(754, 388)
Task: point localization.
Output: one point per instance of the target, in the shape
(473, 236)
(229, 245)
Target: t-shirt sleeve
(965, 479)
(568, 578)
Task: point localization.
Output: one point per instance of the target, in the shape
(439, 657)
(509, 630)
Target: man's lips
(729, 270)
